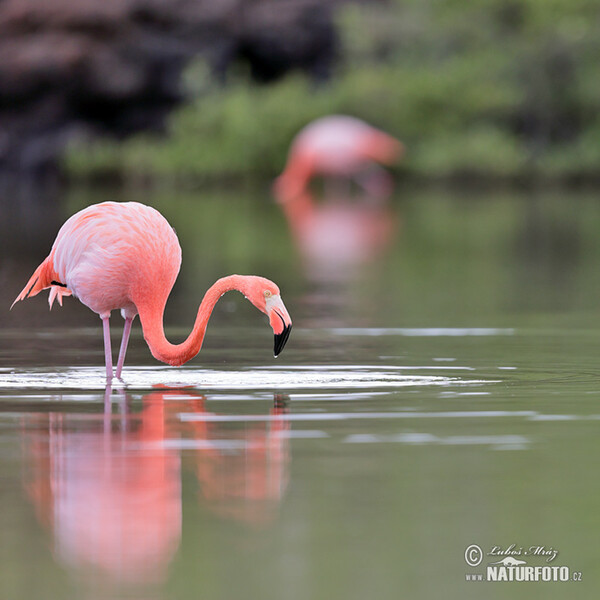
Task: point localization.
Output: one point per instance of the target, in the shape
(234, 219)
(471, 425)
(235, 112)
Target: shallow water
(444, 393)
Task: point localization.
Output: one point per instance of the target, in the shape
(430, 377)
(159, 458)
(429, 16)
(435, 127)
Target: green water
(439, 393)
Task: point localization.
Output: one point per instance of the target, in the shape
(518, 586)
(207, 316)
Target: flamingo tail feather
(44, 277)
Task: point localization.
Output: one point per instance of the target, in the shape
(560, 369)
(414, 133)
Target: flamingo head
(265, 295)
(384, 148)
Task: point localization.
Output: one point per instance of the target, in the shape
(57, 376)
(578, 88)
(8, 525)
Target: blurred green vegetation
(486, 88)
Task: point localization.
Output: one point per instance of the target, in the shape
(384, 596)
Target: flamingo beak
(280, 321)
(281, 340)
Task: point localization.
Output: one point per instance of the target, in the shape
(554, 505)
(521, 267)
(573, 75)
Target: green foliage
(487, 87)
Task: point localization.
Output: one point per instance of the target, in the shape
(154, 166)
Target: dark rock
(114, 67)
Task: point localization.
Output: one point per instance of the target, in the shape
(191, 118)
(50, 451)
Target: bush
(490, 87)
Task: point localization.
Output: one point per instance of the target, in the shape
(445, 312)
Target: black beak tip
(280, 340)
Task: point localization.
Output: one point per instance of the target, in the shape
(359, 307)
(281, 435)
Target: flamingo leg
(107, 348)
(124, 342)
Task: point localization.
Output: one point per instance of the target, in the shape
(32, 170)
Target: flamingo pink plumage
(336, 145)
(126, 256)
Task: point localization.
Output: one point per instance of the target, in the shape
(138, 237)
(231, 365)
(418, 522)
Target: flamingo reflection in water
(243, 472)
(112, 508)
(337, 236)
(108, 488)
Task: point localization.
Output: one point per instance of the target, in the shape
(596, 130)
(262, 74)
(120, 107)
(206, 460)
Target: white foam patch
(259, 378)
(498, 442)
(348, 416)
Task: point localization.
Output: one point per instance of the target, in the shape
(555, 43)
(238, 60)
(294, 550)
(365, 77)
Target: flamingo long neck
(296, 176)
(151, 317)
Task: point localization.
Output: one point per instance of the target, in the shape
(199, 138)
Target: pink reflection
(337, 236)
(110, 494)
(243, 473)
(108, 487)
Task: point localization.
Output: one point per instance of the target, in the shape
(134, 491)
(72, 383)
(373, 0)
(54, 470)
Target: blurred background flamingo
(340, 148)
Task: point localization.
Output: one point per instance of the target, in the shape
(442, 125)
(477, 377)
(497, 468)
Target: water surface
(441, 394)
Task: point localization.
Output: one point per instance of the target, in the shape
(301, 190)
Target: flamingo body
(109, 255)
(126, 256)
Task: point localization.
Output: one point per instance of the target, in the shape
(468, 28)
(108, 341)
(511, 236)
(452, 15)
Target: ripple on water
(423, 331)
(251, 378)
(496, 442)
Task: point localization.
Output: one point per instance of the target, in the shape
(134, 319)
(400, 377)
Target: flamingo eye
(268, 294)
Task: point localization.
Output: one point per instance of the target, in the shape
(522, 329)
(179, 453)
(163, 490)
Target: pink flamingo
(337, 146)
(126, 256)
